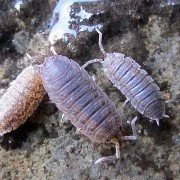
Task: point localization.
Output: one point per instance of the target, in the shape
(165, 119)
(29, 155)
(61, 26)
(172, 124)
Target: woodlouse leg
(94, 78)
(110, 158)
(126, 102)
(63, 119)
(92, 61)
(133, 126)
(100, 42)
(79, 130)
(170, 101)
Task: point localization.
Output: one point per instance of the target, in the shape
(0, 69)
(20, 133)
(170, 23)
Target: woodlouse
(134, 82)
(75, 93)
(20, 99)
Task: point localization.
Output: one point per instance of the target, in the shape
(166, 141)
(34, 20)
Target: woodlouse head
(112, 60)
(53, 67)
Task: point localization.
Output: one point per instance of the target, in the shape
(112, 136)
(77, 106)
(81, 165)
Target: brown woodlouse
(134, 82)
(20, 99)
(90, 110)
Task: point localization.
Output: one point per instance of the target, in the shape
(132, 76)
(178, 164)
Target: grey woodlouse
(20, 100)
(90, 110)
(134, 82)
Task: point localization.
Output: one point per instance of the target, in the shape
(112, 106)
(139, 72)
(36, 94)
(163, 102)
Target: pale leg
(63, 119)
(126, 102)
(165, 116)
(110, 158)
(134, 136)
(117, 156)
(91, 62)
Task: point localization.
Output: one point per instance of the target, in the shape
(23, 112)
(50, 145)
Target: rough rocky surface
(46, 147)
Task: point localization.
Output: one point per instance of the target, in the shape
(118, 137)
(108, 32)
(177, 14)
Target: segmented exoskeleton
(75, 93)
(20, 100)
(134, 82)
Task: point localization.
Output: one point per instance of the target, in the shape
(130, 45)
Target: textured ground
(45, 147)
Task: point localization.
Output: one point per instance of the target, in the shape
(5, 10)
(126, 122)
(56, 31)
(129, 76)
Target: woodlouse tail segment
(157, 121)
(100, 42)
(164, 116)
(110, 158)
(133, 126)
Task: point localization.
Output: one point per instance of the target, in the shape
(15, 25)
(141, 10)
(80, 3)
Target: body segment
(20, 100)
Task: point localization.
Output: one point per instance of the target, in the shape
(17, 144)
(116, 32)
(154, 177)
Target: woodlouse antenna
(35, 59)
(165, 116)
(100, 42)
